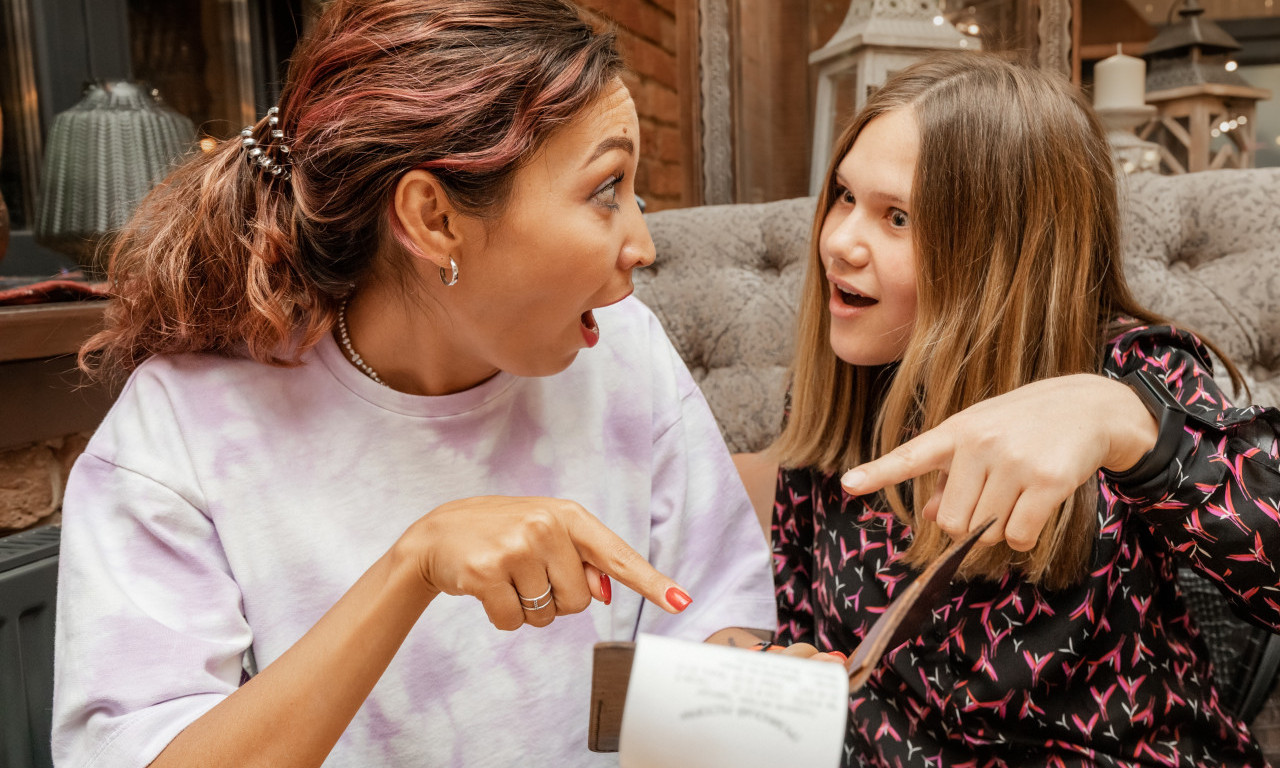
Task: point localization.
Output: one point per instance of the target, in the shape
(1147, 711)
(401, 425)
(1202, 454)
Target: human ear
(424, 212)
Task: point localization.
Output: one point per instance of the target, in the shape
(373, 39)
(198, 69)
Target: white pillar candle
(1119, 82)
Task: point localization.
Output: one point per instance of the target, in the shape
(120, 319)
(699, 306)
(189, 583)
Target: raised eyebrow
(610, 144)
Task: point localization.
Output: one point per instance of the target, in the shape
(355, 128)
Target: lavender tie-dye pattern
(225, 505)
(1111, 672)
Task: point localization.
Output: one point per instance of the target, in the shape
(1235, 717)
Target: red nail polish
(606, 588)
(841, 655)
(677, 599)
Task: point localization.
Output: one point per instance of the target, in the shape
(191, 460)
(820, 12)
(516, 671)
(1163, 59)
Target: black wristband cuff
(1171, 417)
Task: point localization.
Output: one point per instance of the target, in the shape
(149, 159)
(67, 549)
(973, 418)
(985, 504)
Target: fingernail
(853, 477)
(676, 598)
(839, 654)
(606, 588)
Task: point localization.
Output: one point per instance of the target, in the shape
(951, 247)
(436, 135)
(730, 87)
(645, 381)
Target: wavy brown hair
(223, 258)
(1015, 221)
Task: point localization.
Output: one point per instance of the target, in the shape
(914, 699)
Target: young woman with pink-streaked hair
(356, 406)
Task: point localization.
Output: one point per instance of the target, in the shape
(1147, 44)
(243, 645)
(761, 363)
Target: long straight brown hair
(223, 258)
(1015, 222)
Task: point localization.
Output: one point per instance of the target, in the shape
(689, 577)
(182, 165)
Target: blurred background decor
(1119, 98)
(101, 158)
(1207, 108)
(217, 62)
(726, 91)
(876, 38)
(4, 210)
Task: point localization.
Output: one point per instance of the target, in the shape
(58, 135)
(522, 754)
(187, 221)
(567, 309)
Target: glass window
(218, 62)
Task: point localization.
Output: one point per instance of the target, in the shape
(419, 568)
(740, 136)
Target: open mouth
(854, 299)
(590, 331)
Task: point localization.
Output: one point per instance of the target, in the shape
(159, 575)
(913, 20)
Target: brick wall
(647, 36)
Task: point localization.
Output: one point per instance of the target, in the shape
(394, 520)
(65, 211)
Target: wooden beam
(689, 92)
(772, 129)
(28, 332)
(1103, 23)
(1076, 30)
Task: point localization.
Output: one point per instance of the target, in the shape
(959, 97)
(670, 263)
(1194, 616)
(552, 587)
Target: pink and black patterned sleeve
(1216, 501)
(793, 547)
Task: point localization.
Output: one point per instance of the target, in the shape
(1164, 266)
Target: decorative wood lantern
(876, 39)
(1206, 109)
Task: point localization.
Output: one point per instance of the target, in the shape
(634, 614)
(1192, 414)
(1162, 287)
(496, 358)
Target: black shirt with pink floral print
(1110, 672)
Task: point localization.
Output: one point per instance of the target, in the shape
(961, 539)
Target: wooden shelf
(36, 331)
(42, 394)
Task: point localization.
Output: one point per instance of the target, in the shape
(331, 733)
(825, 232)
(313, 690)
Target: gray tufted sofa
(1202, 249)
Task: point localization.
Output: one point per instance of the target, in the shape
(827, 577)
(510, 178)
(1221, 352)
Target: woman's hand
(1018, 456)
(739, 637)
(528, 560)
(804, 651)
(296, 708)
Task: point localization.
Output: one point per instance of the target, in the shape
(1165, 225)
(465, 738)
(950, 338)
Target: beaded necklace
(351, 352)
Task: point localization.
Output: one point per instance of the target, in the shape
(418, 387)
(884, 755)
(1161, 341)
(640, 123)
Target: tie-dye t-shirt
(225, 505)
(1111, 672)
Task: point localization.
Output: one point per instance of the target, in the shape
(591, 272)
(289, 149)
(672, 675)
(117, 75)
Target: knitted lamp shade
(102, 157)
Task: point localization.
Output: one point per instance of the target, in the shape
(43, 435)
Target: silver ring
(536, 603)
(539, 606)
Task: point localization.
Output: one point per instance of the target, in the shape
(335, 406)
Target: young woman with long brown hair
(356, 394)
(965, 319)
